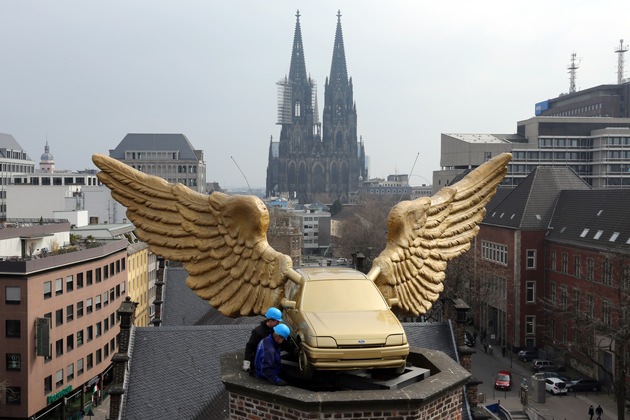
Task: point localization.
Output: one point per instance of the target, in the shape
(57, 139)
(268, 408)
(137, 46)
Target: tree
(596, 323)
(335, 208)
(365, 230)
(4, 387)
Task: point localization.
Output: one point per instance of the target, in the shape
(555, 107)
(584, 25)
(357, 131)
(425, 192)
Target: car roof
(554, 379)
(331, 273)
(504, 372)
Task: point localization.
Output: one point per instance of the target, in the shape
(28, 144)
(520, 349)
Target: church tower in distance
(311, 161)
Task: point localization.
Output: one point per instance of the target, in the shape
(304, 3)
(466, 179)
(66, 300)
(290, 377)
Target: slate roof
(154, 141)
(605, 211)
(181, 305)
(175, 372)
(530, 205)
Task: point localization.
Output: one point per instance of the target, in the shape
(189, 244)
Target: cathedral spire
(297, 71)
(338, 70)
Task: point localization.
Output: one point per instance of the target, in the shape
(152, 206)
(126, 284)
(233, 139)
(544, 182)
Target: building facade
(13, 160)
(169, 156)
(58, 305)
(314, 161)
(599, 101)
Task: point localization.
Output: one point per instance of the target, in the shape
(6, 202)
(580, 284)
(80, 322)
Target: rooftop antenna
(572, 70)
(239, 168)
(410, 172)
(620, 52)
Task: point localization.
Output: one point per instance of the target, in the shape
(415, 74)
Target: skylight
(563, 229)
(538, 217)
(614, 236)
(599, 213)
(584, 233)
(598, 234)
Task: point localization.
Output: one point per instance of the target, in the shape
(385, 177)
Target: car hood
(355, 328)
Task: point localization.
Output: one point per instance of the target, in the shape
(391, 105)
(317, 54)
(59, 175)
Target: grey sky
(83, 74)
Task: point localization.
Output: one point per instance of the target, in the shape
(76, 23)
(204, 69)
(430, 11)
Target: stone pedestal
(438, 396)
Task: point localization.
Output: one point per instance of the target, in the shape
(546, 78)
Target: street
(571, 406)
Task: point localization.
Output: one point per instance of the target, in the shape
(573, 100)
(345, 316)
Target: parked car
(545, 375)
(541, 365)
(342, 261)
(555, 386)
(503, 381)
(527, 355)
(340, 321)
(469, 339)
(584, 384)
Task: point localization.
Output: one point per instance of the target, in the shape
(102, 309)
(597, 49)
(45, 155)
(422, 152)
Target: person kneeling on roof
(267, 360)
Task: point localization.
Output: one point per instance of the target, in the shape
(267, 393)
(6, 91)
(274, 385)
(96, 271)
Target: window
(98, 275)
(607, 312)
(59, 378)
(79, 309)
(590, 269)
(69, 284)
(565, 263)
(70, 342)
(70, 372)
(99, 356)
(14, 395)
(105, 324)
(530, 324)
(58, 317)
(122, 287)
(12, 295)
(625, 278)
(111, 294)
(607, 272)
(531, 259)
(98, 329)
(590, 305)
(48, 384)
(13, 328)
(564, 297)
(79, 338)
(98, 302)
(117, 266)
(79, 280)
(530, 291)
(69, 313)
(106, 350)
(105, 272)
(47, 289)
(576, 300)
(58, 287)
(553, 261)
(88, 277)
(88, 306)
(89, 361)
(59, 347)
(105, 298)
(80, 367)
(553, 294)
(90, 333)
(118, 290)
(14, 361)
(494, 252)
(122, 263)
(577, 266)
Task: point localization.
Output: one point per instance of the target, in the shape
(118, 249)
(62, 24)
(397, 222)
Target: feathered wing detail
(426, 233)
(221, 239)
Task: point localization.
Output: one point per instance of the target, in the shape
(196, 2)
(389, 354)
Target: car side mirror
(392, 302)
(288, 304)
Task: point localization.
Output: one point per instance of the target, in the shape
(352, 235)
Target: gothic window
(297, 110)
(338, 140)
(334, 175)
(302, 177)
(319, 180)
(345, 174)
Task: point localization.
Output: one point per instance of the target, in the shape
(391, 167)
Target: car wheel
(305, 367)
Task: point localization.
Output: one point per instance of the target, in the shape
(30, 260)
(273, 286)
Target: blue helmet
(274, 313)
(282, 330)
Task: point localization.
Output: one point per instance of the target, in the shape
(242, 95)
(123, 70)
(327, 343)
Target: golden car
(340, 321)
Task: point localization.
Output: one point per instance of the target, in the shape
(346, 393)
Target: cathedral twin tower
(314, 161)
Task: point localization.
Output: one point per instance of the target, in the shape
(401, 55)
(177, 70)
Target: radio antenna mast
(620, 51)
(572, 70)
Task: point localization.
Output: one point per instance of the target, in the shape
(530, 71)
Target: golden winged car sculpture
(222, 239)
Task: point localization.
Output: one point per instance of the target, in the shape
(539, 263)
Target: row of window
(91, 276)
(577, 304)
(494, 252)
(81, 336)
(606, 269)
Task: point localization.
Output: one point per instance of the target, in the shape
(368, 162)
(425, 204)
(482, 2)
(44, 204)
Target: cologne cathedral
(316, 161)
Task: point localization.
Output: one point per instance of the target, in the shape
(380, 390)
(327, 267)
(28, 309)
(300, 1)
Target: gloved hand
(245, 365)
(281, 382)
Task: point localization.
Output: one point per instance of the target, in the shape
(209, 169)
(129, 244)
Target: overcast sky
(83, 74)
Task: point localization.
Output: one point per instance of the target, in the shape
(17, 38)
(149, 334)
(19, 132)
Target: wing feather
(221, 239)
(426, 233)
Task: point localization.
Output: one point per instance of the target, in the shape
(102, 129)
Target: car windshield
(503, 377)
(341, 296)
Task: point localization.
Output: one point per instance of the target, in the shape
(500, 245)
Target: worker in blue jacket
(267, 360)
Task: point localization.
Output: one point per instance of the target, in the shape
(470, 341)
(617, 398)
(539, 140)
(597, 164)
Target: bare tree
(4, 386)
(590, 326)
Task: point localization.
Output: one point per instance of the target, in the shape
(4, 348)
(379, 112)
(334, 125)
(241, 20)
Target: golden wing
(221, 239)
(425, 233)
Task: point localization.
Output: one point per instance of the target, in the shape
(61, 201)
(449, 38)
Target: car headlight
(326, 342)
(396, 340)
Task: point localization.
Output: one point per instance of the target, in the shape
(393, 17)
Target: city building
(313, 161)
(58, 303)
(13, 160)
(396, 185)
(314, 220)
(169, 156)
(596, 148)
(599, 101)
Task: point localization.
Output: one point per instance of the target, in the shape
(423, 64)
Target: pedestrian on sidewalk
(503, 351)
(599, 411)
(591, 413)
(485, 348)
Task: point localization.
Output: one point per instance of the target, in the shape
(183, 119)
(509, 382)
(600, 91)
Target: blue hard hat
(274, 313)
(282, 330)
